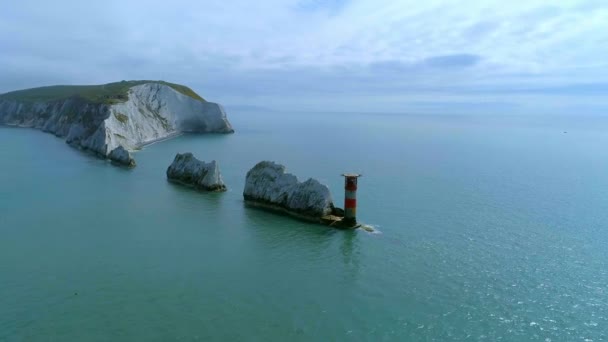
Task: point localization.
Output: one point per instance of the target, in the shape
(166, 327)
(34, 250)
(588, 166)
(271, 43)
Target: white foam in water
(368, 228)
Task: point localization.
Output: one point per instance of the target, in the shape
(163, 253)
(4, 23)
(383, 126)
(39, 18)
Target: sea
(485, 228)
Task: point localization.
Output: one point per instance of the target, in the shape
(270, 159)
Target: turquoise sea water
(488, 228)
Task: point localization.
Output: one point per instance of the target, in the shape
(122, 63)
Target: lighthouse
(350, 199)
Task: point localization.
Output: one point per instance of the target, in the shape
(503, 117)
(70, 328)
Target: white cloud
(243, 51)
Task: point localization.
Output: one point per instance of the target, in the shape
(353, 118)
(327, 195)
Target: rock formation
(102, 118)
(268, 185)
(122, 157)
(189, 171)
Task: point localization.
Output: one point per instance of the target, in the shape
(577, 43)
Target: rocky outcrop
(147, 113)
(189, 171)
(121, 157)
(268, 185)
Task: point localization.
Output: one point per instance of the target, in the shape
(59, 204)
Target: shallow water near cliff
(488, 227)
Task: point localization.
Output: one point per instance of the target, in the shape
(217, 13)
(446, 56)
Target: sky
(432, 56)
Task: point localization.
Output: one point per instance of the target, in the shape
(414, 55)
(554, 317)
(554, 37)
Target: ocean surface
(487, 228)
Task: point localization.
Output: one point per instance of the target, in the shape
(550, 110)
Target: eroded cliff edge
(133, 114)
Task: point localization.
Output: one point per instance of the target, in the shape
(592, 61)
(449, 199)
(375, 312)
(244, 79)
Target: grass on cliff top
(107, 93)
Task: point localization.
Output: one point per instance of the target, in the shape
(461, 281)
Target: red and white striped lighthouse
(350, 198)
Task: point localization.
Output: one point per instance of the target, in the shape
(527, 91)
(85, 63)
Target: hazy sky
(371, 55)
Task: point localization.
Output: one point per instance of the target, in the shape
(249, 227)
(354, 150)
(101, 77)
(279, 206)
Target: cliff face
(74, 119)
(151, 111)
(156, 111)
(268, 185)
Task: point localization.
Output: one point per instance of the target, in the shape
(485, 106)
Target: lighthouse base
(339, 222)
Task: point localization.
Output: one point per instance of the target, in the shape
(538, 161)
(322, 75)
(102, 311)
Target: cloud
(453, 61)
(331, 53)
(316, 5)
(480, 29)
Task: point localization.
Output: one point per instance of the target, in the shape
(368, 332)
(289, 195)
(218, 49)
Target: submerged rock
(189, 171)
(122, 157)
(268, 185)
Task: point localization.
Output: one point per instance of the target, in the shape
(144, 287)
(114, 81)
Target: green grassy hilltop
(106, 93)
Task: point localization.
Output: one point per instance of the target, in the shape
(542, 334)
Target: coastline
(171, 136)
(154, 141)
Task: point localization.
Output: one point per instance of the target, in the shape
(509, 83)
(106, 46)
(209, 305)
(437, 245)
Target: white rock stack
(189, 171)
(268, 185)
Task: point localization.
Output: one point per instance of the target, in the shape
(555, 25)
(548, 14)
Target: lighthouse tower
(350, 198)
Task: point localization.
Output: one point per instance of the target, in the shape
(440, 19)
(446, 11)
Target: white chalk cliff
(149, 112)
(268, 185)
(189, 171)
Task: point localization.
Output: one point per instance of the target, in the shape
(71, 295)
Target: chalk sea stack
(191, 172)
(100, 118)
(269, 186)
